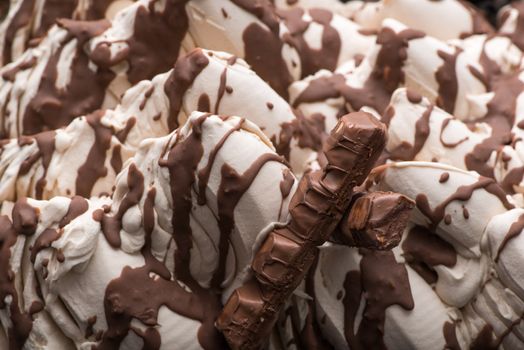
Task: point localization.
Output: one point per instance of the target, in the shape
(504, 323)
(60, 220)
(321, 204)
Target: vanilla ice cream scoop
(280, 45)
(81, 66)
(152, 265)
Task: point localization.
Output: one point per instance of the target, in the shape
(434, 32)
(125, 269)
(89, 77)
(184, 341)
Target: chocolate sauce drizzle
(155, 43)
(382, 282)
(386, 77)
(186, 71)
(424, 249)
(463, 193)
(25, 219)
(52, 107)
(514, 231)
(94, 167)
(46, 147)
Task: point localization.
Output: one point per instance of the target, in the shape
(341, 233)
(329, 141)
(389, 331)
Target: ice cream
(176, 206)
(93, 148)
(188, 203)
(27, 21)
(80, 66)
(281, 46)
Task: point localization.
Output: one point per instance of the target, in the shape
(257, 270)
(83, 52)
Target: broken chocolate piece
(375, 221)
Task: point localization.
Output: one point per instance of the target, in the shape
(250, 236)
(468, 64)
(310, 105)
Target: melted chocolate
(186, 71)
(446, 76)
(423, 250)
(21, 19)
(386, 77)
(182, 161)
(514, 231)
(25, 219)
(52, 107)
(155, 43)
(46, 147)
(383, 283)
(94, 167)
(463, 194)
(204, 173)
(231, 189)
(312, 60)
(445, 124)
(112, 224)
(405, 151)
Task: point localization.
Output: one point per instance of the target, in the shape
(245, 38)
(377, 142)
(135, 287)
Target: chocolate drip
(46, 147)
(155, 43)
(424, 249)
(77, 207)
(485, 340)
(312, 60)
(139, 293)
(263, 46)
(308, 131)
(501, 117)
(383, 283)
(116, 159)
(147, 96)
(286, 185)
(516, 37)
(121, 135)
(53, 107)
(445, 124)
(186, 71)
(221, 89)
(405, 151)
(46, 238)
(112, 224)
(21, 19)
(25, 220)
(513, 178)
(514, 231)
(463, 194)
(204, 104)
(386, 77)
(182, 161)
(55, 9)
(450, 336)
(232, 188)
(94, 167)
(10, 74)
(204, 173)
(446, 76)
(22, 322)
(413, 96)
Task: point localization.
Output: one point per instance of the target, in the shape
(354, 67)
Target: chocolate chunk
(288, 252)
(376, 220)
